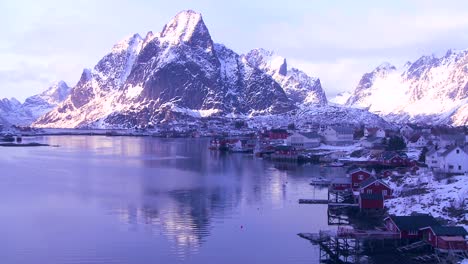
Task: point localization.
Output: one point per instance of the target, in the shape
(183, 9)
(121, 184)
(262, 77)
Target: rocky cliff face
(429, 90)
(300, 88)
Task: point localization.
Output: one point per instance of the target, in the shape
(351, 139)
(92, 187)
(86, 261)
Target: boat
(8, 138)
(336, 164)
(320, 181)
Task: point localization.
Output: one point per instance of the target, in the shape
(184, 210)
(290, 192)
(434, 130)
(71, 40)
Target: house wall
(432, 161)
(391, 226)
(454, 162)
(377, 188)
(370, 204)
(355, 180)
(341, 186)
(429, 237)
(451, 245)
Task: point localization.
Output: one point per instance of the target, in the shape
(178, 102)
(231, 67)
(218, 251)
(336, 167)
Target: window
(377, 184)
(360, 177)
(384, 192)
(413, 232)
(450, 167)
(369, 191)
(459, 167)
(458, 151)
(356, 185)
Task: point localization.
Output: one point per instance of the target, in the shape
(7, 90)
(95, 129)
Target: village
(411, 181)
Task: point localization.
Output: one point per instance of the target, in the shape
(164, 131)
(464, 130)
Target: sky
(337, 41)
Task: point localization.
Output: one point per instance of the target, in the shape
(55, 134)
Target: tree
(396, 143)
(422, 156)
(239, 124)
(292, 126)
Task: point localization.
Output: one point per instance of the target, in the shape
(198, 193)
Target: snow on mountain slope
(341, 98)
(299, 87)
(15, 113)
(430, 90)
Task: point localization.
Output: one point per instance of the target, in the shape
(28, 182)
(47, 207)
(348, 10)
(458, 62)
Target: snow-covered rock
(341, 98)
(430, 90)
(437, 197)
(15, 113)
(300, 88)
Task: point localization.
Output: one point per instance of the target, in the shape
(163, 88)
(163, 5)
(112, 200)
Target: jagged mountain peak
(126, 43)
(430, 90)
(187, 26)
(385, 67)
(268, 61)
(57, 90)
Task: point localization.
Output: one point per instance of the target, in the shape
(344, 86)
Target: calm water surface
(145, 200)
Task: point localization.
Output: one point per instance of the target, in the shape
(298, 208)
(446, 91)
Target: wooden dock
(313, 201)
(325, 201)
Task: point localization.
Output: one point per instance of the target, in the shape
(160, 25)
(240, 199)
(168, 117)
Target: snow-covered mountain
(299, 87)
(341, 98)
(430, 90)
(13, 112)
(180, 72)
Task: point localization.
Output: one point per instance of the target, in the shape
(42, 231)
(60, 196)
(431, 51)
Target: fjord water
(97, 199)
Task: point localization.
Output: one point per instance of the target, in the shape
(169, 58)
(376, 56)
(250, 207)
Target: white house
(416, 141)
(432, 158)
(374, 132)
(338, 135)
(303, 140)
(453, 160)
(406, 130)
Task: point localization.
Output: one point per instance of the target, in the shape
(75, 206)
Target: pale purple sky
(337, 41)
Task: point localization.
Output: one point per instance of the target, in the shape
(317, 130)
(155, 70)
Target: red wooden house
(357, 176)
(375, 186)
(285, 152)
(276, 134)
(341, 184)
(446, 238)
(394, 159)
(408, 226)
(368, 202)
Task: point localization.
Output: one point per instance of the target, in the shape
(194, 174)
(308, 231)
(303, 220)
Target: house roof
(310, 135)
(431, 151)
(450, 149)
(357, 170)
(343, 130)
(390, 154)
(370, 181)
(415, 138)
(278, 130)
(373, 196)
(283, 147)
(452, 137)
(372, 130)
(414, 222)
(448, 230)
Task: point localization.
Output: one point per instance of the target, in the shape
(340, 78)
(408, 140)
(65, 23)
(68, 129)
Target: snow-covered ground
(423, 193)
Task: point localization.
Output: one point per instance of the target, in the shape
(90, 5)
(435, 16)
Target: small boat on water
(320, 181)
(336, 164)
(7, 138)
